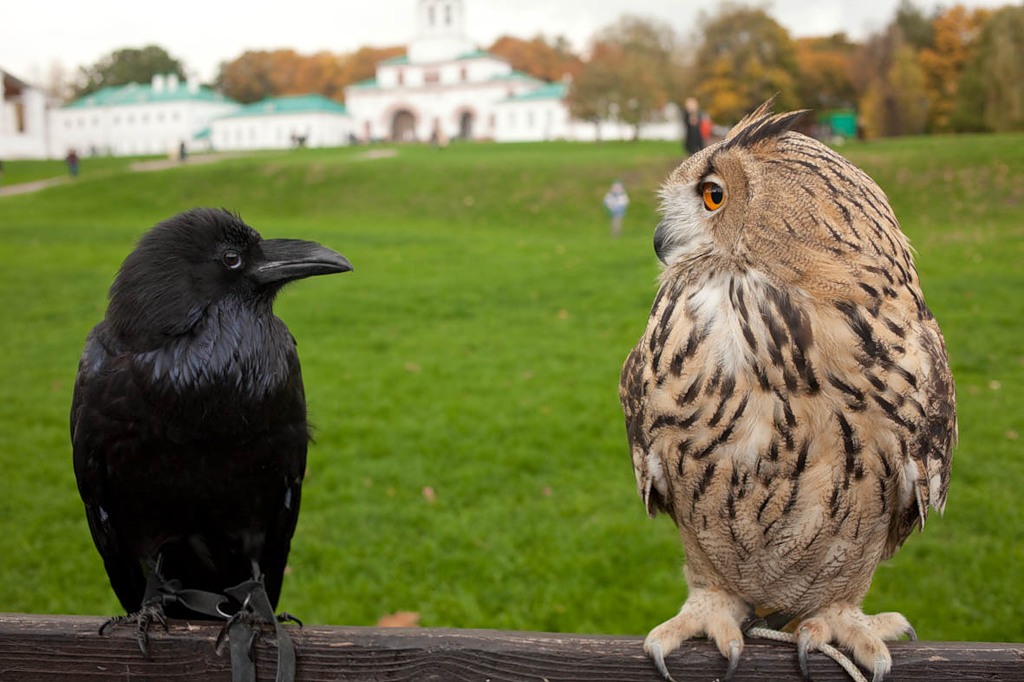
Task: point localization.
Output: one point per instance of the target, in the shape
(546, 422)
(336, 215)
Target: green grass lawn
(475, 351)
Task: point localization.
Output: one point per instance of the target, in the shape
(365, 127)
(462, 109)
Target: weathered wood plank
(41, 647)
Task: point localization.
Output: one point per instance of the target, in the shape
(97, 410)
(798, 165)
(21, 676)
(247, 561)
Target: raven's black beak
(286, 260)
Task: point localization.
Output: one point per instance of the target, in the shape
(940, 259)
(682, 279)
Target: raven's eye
(232, 260)
(714, 195)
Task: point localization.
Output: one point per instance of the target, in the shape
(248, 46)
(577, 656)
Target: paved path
(34, 186)
(158, 165)
(137, 167)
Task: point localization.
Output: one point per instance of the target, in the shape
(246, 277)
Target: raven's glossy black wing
(103, 392)
(289, 439)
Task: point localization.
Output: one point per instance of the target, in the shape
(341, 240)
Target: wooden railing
(42, 647)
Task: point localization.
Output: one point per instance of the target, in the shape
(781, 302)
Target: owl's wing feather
(930, 450)
(650, 479)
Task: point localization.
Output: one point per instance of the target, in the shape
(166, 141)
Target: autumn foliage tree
(891, 85)
(632, 74)
(824, 64)
(955, 34)
(362, 63)
(744, 58)
(991, 93)
(548, 61)
(258, 74)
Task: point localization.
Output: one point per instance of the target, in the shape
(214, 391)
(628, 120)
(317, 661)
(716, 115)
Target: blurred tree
(917, 27)
(824, 81)
(591, 92)
(322, 73)
(744, 58)
(59, 84)
(257, 74)
(128, 65)
(891, 85)
(991, 94)
(955, 34)
(548, 61)
(362, 64)
(632, 73)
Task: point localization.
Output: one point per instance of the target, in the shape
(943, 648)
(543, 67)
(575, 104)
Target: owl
(790, 405)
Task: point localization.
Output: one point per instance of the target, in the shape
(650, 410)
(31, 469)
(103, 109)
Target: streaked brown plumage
(790, 404)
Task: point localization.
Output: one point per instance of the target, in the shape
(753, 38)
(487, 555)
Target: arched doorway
(466, 125)
(403, 126)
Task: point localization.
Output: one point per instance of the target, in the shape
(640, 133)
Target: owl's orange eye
(714, 195)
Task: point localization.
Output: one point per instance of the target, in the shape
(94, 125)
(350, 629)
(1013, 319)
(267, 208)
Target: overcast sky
(202, 33)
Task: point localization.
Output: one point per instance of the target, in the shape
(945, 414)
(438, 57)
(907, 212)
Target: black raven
(188, 421)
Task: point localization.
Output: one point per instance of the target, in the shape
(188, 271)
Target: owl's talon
(803, 645)
(654, 650)
(734, 659)
(911, 633)
(881, 667)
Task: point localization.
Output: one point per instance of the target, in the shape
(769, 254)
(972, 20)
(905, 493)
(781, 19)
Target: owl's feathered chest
(762, 423)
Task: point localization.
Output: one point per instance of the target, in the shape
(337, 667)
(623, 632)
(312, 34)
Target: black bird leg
(158, 592)
(246, 626)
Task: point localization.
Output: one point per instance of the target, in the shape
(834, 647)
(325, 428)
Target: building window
(463, 74)
(159, 116)
(431, 76)
(447, 15)
(401, 77)
(117, 120)
(144, 118)
(529, 119)
(130, 119)
(430, 15)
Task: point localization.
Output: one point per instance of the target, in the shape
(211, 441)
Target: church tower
(440, 32)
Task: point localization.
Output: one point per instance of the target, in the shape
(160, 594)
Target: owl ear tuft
(761, 124)
(764, 109)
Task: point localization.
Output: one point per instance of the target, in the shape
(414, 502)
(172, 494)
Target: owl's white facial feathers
(684, 230)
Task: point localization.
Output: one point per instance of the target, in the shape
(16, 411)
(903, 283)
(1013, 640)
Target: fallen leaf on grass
(400, 619)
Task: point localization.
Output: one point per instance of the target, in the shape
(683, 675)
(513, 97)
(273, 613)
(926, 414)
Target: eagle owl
(790, 404)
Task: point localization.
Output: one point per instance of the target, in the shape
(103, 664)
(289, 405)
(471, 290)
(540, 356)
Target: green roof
(400, 59)
(138, 93)
(295, 104)
(515, 76)
(478, 54)
(368, 83)
(546, 91)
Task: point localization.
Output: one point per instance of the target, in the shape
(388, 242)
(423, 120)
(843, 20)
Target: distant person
(616, 201)
(692, 120)
(182, 151)
(71, 160)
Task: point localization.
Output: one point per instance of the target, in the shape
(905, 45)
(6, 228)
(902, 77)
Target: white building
(23, 132)
(132, 119)
(444, 87)
(283, 122)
